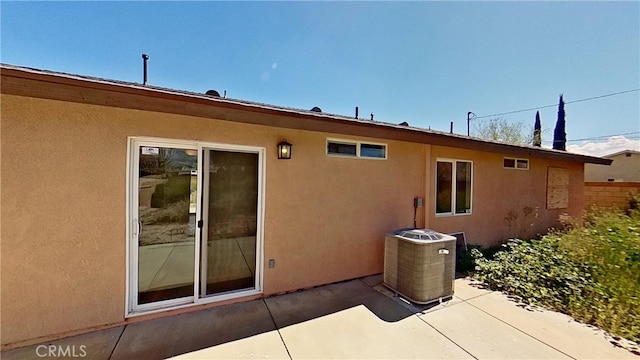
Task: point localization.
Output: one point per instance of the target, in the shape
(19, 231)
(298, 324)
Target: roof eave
(289, 117)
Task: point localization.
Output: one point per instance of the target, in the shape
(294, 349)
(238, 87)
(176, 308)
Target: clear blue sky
(426, 63)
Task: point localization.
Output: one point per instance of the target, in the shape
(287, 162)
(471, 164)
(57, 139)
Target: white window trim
(132, 309)
(357, 143)
(515, 163)
(453, 188)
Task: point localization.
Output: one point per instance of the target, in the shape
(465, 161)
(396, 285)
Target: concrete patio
(357, 319)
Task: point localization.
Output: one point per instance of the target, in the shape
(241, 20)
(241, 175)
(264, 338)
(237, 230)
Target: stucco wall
(63, 253)
(64, 203)
(506, 203)
(63, 194)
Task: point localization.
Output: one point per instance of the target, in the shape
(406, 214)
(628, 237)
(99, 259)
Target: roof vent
(316, 109)
(404, 123)
(213, 93)
(145, 59)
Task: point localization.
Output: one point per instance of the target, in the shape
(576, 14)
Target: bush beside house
(590, 271)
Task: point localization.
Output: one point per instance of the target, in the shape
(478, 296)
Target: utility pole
(468, 121)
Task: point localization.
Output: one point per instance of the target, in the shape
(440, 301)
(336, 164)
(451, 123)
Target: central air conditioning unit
(420, 264)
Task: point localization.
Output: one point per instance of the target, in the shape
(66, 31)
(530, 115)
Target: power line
(604, 137)
(515, 111)
(602, 96)
(553, 105)
(636, 134)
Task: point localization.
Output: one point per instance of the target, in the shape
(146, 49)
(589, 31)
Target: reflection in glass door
(167, 188)
(228, 258)
(195, 230)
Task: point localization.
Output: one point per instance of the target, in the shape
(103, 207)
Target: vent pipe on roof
(145, 58)
(356, 112)
(451, 131)
(372, 116)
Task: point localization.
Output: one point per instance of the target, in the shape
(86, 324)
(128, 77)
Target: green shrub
(591, 271)
(634, 204)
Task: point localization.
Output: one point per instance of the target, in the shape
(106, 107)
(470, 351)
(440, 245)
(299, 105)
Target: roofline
(628, 151)
(202, 105)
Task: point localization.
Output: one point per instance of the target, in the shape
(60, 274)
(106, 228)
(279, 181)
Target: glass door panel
(228, 259)
(167, 197)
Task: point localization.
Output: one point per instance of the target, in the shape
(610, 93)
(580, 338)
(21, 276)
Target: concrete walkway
(358, 319)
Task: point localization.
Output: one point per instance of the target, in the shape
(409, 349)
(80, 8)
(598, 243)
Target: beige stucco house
(625, 167)
(121, 202)
(614, 185)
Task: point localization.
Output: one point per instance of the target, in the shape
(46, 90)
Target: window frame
(342, 142)
(358, 144)
(515, 163)
(454, 186)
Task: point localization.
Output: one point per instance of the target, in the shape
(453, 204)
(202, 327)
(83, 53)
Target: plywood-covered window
(557, 188)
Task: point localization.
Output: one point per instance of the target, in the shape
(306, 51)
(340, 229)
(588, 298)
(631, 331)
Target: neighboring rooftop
(216, 107)
(624, 168)
(623, 152)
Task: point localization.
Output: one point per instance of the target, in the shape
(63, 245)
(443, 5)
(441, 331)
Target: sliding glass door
(166, 223)
(195, 229)
(230, 227)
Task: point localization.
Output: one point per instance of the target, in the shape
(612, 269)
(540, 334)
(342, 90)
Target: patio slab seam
(468, 301)
(113, 350)
(522, 331)
(372, 299)
(456, 300)
(275, 325)
(445, 336)
(473, 297)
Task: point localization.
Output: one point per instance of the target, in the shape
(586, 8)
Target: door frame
(132, 308)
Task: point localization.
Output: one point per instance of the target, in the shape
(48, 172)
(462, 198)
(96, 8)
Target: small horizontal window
(373, 151)
(337, 148)
(356, 149)
(513, 163)
(509, 163)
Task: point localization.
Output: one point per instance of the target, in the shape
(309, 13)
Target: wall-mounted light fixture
(284, 150)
